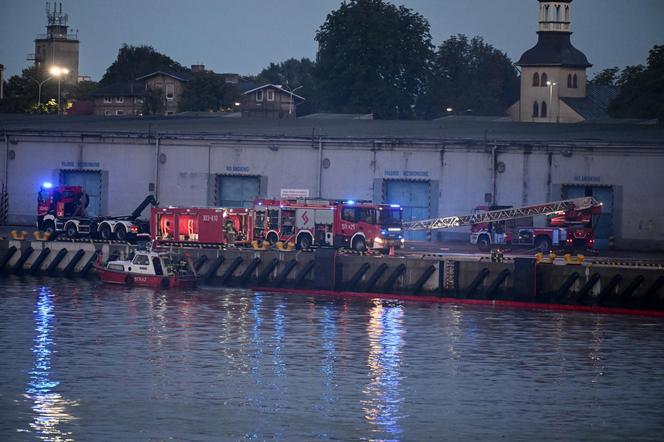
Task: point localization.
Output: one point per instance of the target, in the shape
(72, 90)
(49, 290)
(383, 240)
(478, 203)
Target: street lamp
(551, 85)
(290, 105)
(57, 71)
(40, 84)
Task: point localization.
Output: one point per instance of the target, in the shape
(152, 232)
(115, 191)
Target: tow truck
(62, 210)
(569, 228)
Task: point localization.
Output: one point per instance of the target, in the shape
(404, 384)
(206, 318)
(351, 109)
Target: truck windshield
(390, 217)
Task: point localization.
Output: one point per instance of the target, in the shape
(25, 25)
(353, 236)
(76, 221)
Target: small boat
(149, 268)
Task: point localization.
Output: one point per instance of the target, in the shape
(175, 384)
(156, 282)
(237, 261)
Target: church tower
(552, 70)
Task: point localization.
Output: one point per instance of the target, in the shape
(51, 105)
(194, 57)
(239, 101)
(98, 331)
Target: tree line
(373, 57)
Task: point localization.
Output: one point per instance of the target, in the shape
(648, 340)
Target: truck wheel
(121, 233)
(272, 238)
(304, 242)
(359, 244)
(71, 231)
(105, 232)
(543, 244)
(49, 228)
(483, 243)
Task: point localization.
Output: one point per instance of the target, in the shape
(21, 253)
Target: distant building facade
(553, 74)
(119, 99)
(170, 84)
(57, 47)
(270, 102)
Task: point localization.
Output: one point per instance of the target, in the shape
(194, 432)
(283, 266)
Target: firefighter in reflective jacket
(230, 232)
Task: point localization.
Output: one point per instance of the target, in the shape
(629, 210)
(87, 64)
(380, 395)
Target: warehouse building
(431, 168)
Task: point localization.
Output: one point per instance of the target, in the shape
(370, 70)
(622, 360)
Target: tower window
(569, 81)
(536, 79)
(567, 13)
(543, 113)
(535, 109)
(575, 83)
(544, 79)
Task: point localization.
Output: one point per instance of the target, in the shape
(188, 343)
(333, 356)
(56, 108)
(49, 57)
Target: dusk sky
(245, 36)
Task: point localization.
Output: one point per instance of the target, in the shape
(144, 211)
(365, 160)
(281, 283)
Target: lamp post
(57, 71)
(290, 105)
(551, 85)
(39, 84)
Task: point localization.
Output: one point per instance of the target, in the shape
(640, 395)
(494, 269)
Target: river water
(80, 361)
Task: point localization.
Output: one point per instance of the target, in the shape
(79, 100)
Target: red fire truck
(356, 225)
(569, 228)
(62, 209)
(207, 225)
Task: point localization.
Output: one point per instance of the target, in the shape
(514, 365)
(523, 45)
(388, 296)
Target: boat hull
(142, 280)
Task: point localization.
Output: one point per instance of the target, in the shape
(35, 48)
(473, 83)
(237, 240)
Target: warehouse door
(414, 197)
(237, 191)
(90, 180)
(603, 224)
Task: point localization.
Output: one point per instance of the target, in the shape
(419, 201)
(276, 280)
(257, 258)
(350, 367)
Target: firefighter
(82, 204)
(230, 232)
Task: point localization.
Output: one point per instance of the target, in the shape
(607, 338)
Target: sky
(244, 36)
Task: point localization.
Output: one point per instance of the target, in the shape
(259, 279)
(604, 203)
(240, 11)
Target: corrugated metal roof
(596, 103)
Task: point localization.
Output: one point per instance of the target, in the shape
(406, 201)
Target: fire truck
(202, 225)
(62, 210)
(570, 226)
(356, 225)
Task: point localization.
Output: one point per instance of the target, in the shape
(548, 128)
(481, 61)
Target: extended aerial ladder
(576, 204)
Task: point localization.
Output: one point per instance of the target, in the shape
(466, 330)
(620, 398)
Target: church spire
(555, 16)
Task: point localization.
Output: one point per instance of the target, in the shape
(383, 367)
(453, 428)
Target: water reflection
(51, 409)
(383, 393)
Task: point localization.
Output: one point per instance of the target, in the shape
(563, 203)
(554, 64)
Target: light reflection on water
(51, 410)
(214, 364)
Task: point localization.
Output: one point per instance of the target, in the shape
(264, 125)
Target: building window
(169, 113)
(107, 112)
(170, 91)
(569, 81)
(543, 114)
(259, 95)
(119, 99)
(567, 14)
(138, 100)
(536, 80)
(270, 95)
(535, 109)
(119, 112)
(575, 83)
(108, 100)
(544, 79)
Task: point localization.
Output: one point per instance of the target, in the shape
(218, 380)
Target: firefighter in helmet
(230, 232)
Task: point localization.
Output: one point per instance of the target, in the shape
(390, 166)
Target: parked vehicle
(356, 225)
(61, 210)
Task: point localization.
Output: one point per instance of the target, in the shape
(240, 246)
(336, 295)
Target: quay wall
(627, 285)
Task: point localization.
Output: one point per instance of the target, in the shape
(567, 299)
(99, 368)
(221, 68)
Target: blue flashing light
(47, 185)
(396, 206)
(350, 202)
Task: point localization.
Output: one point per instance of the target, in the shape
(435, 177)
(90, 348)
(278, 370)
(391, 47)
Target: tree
(135, 61)
(83, 90)
(294, 74)
(22, 92)
(469, 76)
(206, 91)
(154, 102)
(372, 58)
(641, 89)
(607, 77)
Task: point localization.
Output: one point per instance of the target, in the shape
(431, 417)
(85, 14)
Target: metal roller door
(237, 191)
(414, 197)
(90, 180)
(603, 224)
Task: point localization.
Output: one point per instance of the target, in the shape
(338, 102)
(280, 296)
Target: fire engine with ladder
(569, 228)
